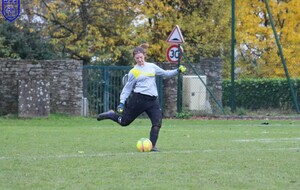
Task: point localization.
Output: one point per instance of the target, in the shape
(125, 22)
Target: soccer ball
(144, 145)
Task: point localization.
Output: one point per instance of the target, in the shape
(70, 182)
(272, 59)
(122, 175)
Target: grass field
(81, 153)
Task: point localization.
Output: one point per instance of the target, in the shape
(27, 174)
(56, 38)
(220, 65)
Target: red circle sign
(173, 53)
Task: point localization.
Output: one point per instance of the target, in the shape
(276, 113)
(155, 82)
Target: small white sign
(175, 37)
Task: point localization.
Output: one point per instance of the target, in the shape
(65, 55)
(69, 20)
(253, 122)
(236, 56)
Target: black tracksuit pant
(138, 104)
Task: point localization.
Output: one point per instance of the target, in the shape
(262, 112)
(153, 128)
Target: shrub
(260, 93)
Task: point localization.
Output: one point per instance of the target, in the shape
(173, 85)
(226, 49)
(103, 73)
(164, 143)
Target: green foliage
(101, 30)
(23, 43)
(4, 50)
(260, 93)
(108, 30)
(183, 115)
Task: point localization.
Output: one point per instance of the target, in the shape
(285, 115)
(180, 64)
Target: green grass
(81, 153)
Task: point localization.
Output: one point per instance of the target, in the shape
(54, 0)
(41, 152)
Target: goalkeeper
(141, 80)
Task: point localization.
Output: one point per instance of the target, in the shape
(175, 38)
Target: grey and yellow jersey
(141, 79)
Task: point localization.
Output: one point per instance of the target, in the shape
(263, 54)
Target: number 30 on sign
(173, 53)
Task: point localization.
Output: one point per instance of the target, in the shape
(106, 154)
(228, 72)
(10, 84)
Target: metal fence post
(282, 58)
(232, 93)
(106, 89)
(179, 90)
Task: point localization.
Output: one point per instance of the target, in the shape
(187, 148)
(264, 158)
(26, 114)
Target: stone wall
(170, 91)
(63, 85)
(64, 78)
(211, 67)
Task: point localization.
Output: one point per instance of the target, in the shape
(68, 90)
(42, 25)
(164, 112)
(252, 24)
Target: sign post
(179, 91)
(174, 54)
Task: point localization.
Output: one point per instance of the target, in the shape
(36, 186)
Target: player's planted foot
(154, 149)
(105, 115)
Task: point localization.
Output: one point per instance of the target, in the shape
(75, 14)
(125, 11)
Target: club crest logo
(10, 9)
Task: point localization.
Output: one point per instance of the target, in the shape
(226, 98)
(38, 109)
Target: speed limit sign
(173, 53)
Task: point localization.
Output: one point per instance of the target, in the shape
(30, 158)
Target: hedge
(261, 93)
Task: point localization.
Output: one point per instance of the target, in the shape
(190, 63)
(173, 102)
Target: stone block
(33, 98)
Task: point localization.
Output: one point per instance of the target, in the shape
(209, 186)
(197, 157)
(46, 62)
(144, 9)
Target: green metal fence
(103, 85)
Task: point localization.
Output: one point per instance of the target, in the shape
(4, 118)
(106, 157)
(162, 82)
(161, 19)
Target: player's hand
(120, 108)
(181, 69)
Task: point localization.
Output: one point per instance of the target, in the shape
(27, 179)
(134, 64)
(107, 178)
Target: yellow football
(144, 145)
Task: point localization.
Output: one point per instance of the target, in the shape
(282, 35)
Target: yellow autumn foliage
(256, 42)
(110, 29)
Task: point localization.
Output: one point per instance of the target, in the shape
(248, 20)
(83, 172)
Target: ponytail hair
(141, 49)
(144, 45)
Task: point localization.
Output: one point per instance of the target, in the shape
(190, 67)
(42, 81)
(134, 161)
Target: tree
(23, 43)
(204, 24)
(86, 29)
(256, 42)
(110, 29)
(23, 38)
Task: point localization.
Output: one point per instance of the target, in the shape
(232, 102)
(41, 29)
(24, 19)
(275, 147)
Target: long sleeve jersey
(141, 79)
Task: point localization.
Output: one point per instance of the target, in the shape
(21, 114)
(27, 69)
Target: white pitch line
(83, 155)
(268, 140)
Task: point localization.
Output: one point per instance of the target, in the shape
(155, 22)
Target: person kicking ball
(141, 80)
